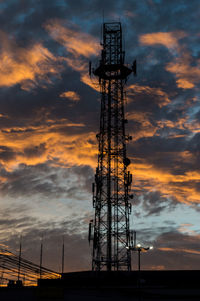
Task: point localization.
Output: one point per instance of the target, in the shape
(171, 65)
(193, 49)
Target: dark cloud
(42, 179)
(35, 151)
(77, 251)
(164, 128)
(173, 250)
(154, 203)
(6, 153)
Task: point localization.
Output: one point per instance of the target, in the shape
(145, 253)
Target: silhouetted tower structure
(111, 191)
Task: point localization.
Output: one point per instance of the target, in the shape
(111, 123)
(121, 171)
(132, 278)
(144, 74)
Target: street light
(138, 248)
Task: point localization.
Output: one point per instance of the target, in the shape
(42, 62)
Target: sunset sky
(49, 117)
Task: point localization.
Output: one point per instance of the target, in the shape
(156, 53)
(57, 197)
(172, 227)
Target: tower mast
(111, 190)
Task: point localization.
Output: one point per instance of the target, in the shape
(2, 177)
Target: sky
(49, 117)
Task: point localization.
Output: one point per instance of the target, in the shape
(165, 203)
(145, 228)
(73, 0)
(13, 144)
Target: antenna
(134, 68)
(2, 273)
(134, 239)
(63, 255)
(20, 253)
(41, 256)
(90, 231)
(90, 68)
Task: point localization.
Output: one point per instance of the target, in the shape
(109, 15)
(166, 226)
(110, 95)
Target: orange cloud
(183, 123)
(75, 41)
(79, 45)
(61, 148)
(187, 75)
(167, 39)
(64, 149)
(25, 66)
(148, 129)
(70, 95)
(156, 267)
(184, 83)
(190, 251)
(145, 129)
(91, 82)
(178, 186)
(185, 228)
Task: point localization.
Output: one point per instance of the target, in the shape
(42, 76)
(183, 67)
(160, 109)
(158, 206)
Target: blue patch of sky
(196, 50)
(88, 21)
(177, 102)
(6, 3)
(85, 24)
(3, 5)
(21, 17)
(168, 218)
(61, 3)
(178, 6)
(192, 111)
(144, 11)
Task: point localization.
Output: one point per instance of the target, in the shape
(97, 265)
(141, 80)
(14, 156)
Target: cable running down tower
(109, 230)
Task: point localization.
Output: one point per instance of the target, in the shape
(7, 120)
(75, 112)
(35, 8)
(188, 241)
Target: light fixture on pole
(137, 248)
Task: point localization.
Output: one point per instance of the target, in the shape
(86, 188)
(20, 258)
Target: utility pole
(63, 256)
(41, 257)
(110, 230)
(19, 260)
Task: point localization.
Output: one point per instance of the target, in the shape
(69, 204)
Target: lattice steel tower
(111, 191)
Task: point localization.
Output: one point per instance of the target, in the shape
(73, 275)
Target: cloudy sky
(49, 116)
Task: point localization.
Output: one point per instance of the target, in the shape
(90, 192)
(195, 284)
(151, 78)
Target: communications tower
(109, 230)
